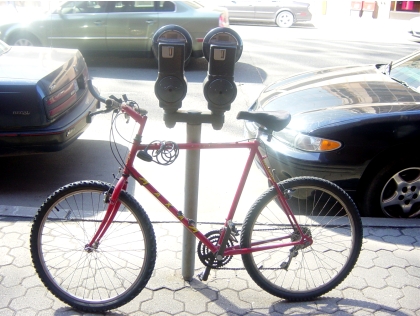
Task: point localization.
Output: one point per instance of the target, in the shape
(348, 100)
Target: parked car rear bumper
(54, 137)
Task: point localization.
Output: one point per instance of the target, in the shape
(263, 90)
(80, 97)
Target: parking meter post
(172, 45)
(192, 171)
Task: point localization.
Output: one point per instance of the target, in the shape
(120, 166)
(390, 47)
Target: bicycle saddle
(272, 120)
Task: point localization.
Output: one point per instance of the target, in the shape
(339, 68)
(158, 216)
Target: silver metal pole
(192, 172)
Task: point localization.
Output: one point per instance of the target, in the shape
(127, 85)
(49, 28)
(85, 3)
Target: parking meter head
(172, 34)
(172, 46)
(222, 36)
(222, 47)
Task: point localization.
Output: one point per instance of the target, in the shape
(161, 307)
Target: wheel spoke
(327, 215)
(103, 276)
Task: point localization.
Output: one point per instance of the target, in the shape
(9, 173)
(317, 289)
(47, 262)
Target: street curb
(26, 212)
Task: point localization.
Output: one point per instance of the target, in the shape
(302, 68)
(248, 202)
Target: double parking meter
(172, 46)
(222, 47)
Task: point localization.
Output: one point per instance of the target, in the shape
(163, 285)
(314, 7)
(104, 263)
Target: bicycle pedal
(203, 276)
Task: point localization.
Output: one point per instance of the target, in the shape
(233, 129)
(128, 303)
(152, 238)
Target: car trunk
(39, 89)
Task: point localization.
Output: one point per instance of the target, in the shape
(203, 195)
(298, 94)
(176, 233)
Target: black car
(44, 100)
(357, 126)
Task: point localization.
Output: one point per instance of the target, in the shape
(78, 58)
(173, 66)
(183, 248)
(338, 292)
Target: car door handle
(150, 21)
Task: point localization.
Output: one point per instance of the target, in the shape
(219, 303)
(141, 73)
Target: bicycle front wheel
(101, 277)
(302, 272)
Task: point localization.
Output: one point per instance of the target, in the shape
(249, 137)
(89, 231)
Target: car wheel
(394, 191)
(285, 19)
(24, 39)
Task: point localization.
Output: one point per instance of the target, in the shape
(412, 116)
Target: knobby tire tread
(259, 205)
(149, 236)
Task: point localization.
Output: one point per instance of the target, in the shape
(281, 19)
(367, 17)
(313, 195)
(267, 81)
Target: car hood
(337, 95)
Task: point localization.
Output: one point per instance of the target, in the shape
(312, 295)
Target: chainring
(207, 257)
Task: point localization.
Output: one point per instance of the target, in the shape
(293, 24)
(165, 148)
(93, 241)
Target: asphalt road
(270, 53)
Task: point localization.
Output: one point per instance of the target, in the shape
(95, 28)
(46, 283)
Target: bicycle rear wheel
(326, 213)
(102, 277)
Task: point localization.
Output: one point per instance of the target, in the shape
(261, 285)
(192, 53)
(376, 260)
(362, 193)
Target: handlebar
(111, 103)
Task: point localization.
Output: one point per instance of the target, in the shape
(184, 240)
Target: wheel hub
(401, 193)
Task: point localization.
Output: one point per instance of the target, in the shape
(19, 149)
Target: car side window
(133, 6)
(165, 6)
(75, 7)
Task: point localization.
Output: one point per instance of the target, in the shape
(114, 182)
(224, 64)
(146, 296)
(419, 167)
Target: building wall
(373, 9)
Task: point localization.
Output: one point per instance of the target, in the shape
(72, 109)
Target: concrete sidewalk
(386, 280)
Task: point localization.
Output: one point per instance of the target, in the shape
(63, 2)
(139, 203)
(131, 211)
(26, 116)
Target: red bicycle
(94, 248)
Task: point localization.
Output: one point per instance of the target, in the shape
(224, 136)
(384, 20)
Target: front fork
(114, 204)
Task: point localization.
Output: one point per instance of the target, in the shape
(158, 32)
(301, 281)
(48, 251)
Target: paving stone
(413, 232)
(34, 298)
(412, 256)
(399, 278)
(385, 281)
(298, 308)
(390, 313)
(400, 242)
(166, 278)
(258, 299)
(413, 271)
(387, 297)
(229, 302)
(382, 232)
(196, 300)
(411, 297)
(376, 243)
(386, 259)
(9, 293)
(6, 312)
(406, 312)
(21, 258)
(327, 304)
(5, 258)
(12, 240)
(365, 259)
(162, 301)
(374, 277)
(14, 275)
(167, 259)
(353, 282)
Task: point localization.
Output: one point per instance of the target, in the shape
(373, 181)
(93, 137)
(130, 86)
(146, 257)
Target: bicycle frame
(252, 145)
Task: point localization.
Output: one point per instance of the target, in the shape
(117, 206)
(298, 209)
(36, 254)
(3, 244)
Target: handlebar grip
(94, 93)
(112, 104)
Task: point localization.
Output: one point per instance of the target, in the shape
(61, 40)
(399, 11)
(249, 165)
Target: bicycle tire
(325, 212)
(100, 279)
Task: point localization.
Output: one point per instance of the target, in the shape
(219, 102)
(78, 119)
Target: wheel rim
(400, 195)
(315, 268)
(67, 263)
(23, 42)
(285, 19)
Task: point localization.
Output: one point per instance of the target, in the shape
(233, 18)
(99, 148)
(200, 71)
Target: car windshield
(3, 48)
(408, 73)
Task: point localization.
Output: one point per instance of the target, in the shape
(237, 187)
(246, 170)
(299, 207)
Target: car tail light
(224, 20)
(64, 98)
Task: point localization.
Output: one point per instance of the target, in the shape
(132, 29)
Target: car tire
(24, 39)
(285, 19)
(394, 190)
